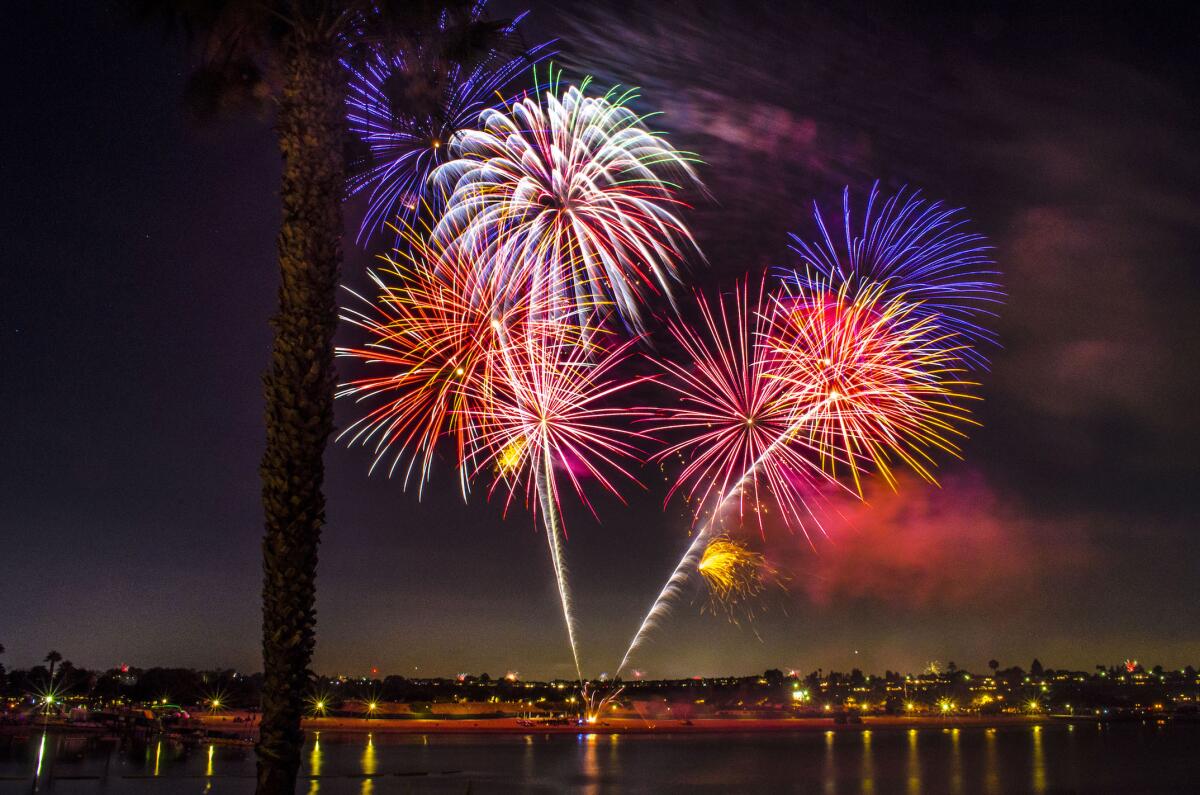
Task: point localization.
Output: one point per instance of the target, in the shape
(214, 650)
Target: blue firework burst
(916, 248)
(405, 102)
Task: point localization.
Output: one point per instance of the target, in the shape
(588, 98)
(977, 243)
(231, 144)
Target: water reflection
(614, 758)
(591, 767)
(867, 772)
(208, 769)
(369, 766)
(830, 767)
(1042, 759)
(527, 760)
(314, 766)
(1039, 761)
(37, 774)
(914, 764)
(956, 767)
(991, 780)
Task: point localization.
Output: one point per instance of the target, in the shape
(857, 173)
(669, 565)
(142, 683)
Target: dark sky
(138, 277)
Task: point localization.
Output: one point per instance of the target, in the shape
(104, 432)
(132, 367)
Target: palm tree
(287, 56)
(53, 658)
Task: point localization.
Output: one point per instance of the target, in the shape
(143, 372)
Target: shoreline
(358, 726)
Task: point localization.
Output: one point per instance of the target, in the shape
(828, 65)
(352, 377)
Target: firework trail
(569, 194)
(565, 201)
(558, 208)
(548, 413)
(914, 248)
(523, 399)
(867, 382)
(406, 102)
(661, 607)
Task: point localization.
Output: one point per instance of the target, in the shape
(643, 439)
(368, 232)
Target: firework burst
(732, 571)
(547, 412)
(865, 380)
(435, 334)
(570, 194)
(874, 380)
(547, 408)
(732, 412)
(916, 249)
(404, 104)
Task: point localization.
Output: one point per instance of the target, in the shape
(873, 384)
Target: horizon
(949, 667)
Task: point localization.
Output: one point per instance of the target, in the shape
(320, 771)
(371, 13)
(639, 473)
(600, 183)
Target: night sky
(138, 275)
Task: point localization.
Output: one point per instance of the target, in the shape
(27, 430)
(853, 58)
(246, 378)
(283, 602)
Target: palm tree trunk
(299, 395)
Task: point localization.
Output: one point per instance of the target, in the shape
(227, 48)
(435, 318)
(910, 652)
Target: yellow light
(508, 460)
(731, 570)
(910, 706)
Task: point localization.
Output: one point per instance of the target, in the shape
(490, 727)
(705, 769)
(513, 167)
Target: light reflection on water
(1039, 761)
(913, 764)
(591, 767)
(1041, 758)
(868, 768)
(991, 781)
(956, 763)
(314, 765)
(369, 766)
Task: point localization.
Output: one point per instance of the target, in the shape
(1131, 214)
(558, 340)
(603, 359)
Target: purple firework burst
(405, 102)
(917, 249)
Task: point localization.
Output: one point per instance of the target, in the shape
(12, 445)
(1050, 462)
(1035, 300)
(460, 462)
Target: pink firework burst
(736, 417)
(548, 409)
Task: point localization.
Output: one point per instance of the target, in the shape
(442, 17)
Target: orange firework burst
(435, 333)
(873, 380)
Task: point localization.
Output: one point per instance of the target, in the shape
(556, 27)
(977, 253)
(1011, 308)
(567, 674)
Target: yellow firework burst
(733, 572)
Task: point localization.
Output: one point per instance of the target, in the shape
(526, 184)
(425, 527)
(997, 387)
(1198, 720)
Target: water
(1040, 759)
